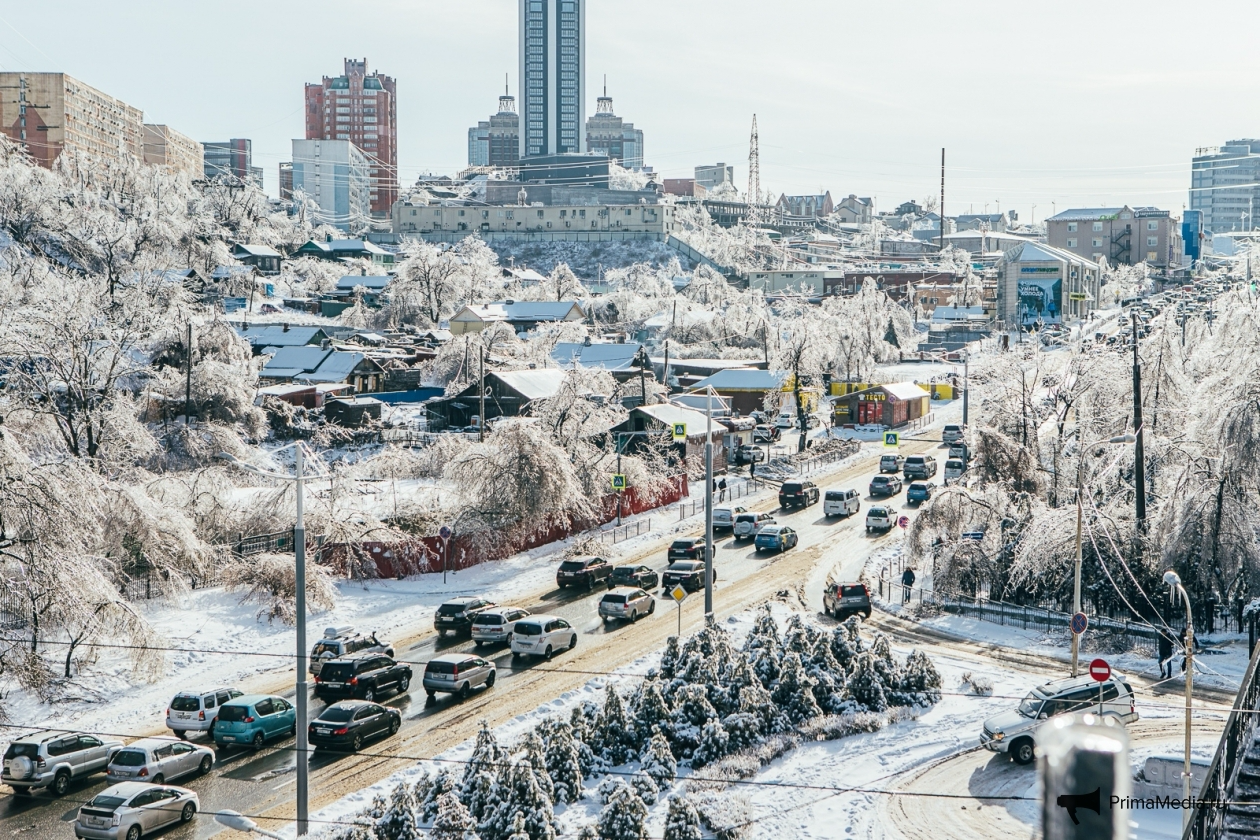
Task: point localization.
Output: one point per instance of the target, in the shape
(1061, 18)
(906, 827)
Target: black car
(687, 548)
(885, 485)
(798, 493)
(641, 576)
(689, 573)
(346, 725)
(457, 614)
(584, 572)
(366, 676)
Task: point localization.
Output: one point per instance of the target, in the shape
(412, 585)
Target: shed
(352, 411)
(745, 387)
(892, 405)
(508, 394)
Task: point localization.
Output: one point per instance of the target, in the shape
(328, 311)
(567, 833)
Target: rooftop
(607, 356)
(743, 379)
(532, 384)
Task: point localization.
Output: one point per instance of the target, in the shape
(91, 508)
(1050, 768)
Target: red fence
(422, 555)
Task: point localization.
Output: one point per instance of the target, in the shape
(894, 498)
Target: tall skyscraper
(1225, 185)
(362, 108)
(608, 134)
(552, 76)
(496, 142)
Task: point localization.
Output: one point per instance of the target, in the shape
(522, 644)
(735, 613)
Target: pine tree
(794, 692)
(428, 806)
(453, 821)
(651, 713)
(624, 817)
(518, 828)
(846, 642)
(669, 659)
(920, 682)
(481, 794)
(399, 820)
(658, 762)
(765, 632)
(521, 794)
(616, 736)
(865, 685)
(486, 753)
(881, 654)
(743, 730)
(692, 710)
(756, 700)
(535, 754)
(588, 832)
(564, 764)
(714, 744)
(890, 335)
(683, 822)
(765, 664)
(646, 787)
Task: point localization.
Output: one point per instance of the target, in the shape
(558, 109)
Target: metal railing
(621, 533)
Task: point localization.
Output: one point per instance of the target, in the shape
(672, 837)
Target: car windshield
(878, 511)
(451, 609)
(746, 517)
(1030, 706)
(850, 591)
(107, 803)
(572, 566)
(186, 704)
(614, 599)
(489, 619)
(339, 671)
(835, 495)
(437, 667)
(683, 544)
(29, 750)
(129, 758)
(684, 567)
(336, 714)
(528, 630)
(232, 714)
(623, 572)
(326, 647)
(880, 479)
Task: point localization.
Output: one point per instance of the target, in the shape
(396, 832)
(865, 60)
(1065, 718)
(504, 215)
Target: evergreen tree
(624, 817)
(890, 335)
(518, 828)
(399, 820)
(535, 754)
(646, 787)
(714, 744)
(794, 692)
(588, 832)
(683, 822)
(765, 664)
(564, 764)
(692, 710)
(658, 762)
(757, 701)
(651, 713)
(481, 794)
(669, 659)
(846, 642)
(428, 806)
(743, 730)
(486, 753)
(800, 637)
(521, 794)
(765, 632)
(453, 821)
(616, 736)
(865, 685)
(920, 682)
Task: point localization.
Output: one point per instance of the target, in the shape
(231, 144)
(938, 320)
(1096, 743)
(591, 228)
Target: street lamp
(1176, 589)
(299, 545)
(242, 823)
(1076, 582)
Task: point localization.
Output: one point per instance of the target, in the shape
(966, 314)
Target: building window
(1151, 256)
(1097, 243)
(1152, 241)
(1097, 226)
(1071, 227)
(1152, 225)
(1071, 243)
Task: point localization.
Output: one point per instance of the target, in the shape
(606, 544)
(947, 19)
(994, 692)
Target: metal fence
(621, 533)
(738, 489)
(767, 477)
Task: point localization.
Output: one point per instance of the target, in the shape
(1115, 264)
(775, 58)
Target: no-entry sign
(1100, 670)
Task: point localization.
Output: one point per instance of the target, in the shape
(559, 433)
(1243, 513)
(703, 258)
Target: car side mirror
(1042, 716)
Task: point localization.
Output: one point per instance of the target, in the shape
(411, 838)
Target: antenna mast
(754, 173)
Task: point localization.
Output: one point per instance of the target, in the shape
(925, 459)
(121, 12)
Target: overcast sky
(1050, 103)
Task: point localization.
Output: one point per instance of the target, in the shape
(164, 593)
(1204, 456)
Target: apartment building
(636, 218)
(1121, 235)
(164, 146)
(1225, 185)
(48, 113)
(496, 142)
(232, 159)
(334, 173)
(552, 48)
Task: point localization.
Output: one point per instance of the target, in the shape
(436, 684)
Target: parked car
(495, 625)
(766, 433)
(960, 451)
(879, 518)
(841, 502)
(885, 485)
(919, 466)
(749, 454)
(891, 463)
(918, 492)
(365, 675)
(644, 577)
(953, 432)
(130, 810)
(543, 635)
(687, 548)
(1014, 732)
(626, 602)
(159, 760)
(748, 524)
(845, 599)
(785, 420)
(52, 759)
(254, 719)
(689, 574)
(954, 469)
(192, 711)
(340, 642)
(460, 673)
(349, 723)
(585, 572)
(724, 517)
(776, 538)
(457, 614)
(798, 494)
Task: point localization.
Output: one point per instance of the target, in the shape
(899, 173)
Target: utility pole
(665, 374)
(1139, 453)
(188, 378)
(966, 382)
(481, 420)
(299, 544)
(941, 209)
(708, 502)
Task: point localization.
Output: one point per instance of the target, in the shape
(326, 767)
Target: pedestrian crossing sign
(891, 438)
(618, 481)
(680, 432)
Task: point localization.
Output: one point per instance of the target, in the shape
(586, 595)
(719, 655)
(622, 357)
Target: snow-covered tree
(399, 822)
(682, 821)
(453, 821)
(625, 815)
(564, 763)
(658, 761)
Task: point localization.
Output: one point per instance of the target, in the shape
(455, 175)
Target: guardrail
(621, 533)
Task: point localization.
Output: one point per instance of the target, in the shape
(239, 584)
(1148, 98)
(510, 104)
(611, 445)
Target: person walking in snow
(907, 585)
(722, 490)
(1165, 656)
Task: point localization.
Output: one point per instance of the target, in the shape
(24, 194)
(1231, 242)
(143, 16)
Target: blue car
(919, 492)
(776, 538)
(254, 719)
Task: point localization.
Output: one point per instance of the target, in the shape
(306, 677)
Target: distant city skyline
(1032, 107)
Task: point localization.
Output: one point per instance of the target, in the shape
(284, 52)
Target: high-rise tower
(552, 76)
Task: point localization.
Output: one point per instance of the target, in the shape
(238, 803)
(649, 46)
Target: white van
(954, 469)
(841, 502)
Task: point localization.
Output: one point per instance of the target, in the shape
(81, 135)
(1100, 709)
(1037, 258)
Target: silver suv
(192, 711)
(748, 525)
(340, 642)
(1014, 732)
(626, 602)
(52, 759)
(457, 673)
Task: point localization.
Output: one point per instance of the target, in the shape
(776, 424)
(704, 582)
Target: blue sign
(1079, 623)
(444, 532)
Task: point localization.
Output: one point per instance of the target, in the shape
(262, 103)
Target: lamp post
(1176, 589)
(708, 501)
(1076, 580)
(242, 823)
(299, 545)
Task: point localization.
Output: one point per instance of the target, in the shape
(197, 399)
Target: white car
(542, 635)
(748, 525)
(130, 810)
(159, 760)
(626, 602)
(496, 625)
(879, 519)
(724, 517)
(1014, 732)
(785, 420)
(196, 711)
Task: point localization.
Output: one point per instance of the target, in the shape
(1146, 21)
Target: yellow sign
(1078, 296)
(678, 593)
(680, 431)
(618, 481)
(891, 439)
(874, 396)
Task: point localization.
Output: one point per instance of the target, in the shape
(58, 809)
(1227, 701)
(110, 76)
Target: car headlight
(998, 736)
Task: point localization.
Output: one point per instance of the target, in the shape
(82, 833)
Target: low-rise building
(345, 249)
(520, 315)
(685, 187)
(438, 219)
(746, 388)
(892, 405)
(711, 177)
(817, 206)
(853, 210)
(310, 365)
(1121, 235)
(507, 394)
(993, 222)
(264, 336)
(1041, 284)
(264, 259)
(812, 282)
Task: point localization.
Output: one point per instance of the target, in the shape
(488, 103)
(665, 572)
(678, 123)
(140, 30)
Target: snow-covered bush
(270, 580)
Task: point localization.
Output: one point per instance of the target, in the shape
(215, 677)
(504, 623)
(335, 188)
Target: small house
(892, 405)
(352, 411)
(745, 387)
(345, 249)
(661, 418)
(320, 365)
(522, 316)
(507, 394)
(262, 336)
(263, 259)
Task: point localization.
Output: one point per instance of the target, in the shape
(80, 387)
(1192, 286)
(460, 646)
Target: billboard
(1040, 300)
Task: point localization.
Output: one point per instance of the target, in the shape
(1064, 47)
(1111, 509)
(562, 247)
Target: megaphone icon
(1089, 801)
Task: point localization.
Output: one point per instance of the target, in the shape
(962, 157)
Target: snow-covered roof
(1085, 214)
(532, 384)
(669, 414)
(906, 391)
(1038, 252)
(743, 379)
(281, 335)
(340, 246)
(256, 250)
(526, 310)
(371, 282)
(958, 313)
(302, 359)
(606, 356)
(525, 275)
(700, 402)
(337, 367)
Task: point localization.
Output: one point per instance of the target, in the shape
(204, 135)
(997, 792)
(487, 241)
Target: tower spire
(754, 171)
(605, 84)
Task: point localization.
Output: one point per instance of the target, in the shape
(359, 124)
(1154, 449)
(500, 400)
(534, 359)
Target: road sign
(1100, 670)
(444, 532)
(891, 438)
(618, 481)
(1079, 623)
(903, 522)
(1078, 296)
(680, 432)
(678, 593)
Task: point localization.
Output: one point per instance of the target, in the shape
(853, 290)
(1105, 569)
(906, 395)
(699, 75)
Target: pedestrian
(752, 470)
(907, 585)
(1165, 656)
(722, 490)
(1182, 637)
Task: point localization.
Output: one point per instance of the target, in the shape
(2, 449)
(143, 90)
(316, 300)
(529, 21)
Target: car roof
(347, 704)
(877, 508)
(624, 590)
(1054, 687)
(152, 741)
(583, 558)
(251, 699)
(689, 565)
(454, 658)
(463, 601)
(541, 619)
(499, 610)
(43, 735)
(127, 789)
(771, 529)
(203, 692)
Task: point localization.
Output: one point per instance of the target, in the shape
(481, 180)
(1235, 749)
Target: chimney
(286, 328)
(587, 342)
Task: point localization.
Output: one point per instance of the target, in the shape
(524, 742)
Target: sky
(1057, 105)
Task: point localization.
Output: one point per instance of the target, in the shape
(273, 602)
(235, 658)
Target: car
(348, 723)
(626, 602)
(919, 466)
(1014, 731)
(543, 635)
(879, 518)
(687, 548)
(254, 719)
(842, 600)
(776, 538)
(340, 642)
(364, 675)
(953, 432)
(689, 574)
(766, 433)
(159, 760)
(196, 711)
(748, 524)
(798, 494)
(724, 517)
(586, 572)
(131, 810)
(891, 463)
(841, 502)
(960, 451)
(885, 485)
(785, 420)
(457, 614)
(644, 577)
(749, 454)
(496, 625)
(954, 469)
(918, 492)
(52, 759)
(460, 673)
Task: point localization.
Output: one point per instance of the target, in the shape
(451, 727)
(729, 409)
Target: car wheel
(547, 652)
(515, 656)
(257, 743)
(210, 731)
(159, 779)
(190, 811)
(404, 684)
(133, 833)
(206, 763)
(651, 608)
(590, 584)
(478, 642)
(432, 695)
(490, 680)
(573, 642)
(463, 691)
(356, 743)
(634, 617)
(1023, 751)
(21, 791)
(866, 613)
(561, 585)
(369, 695)
(393, 725)
(61, 783)
(180, 734)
